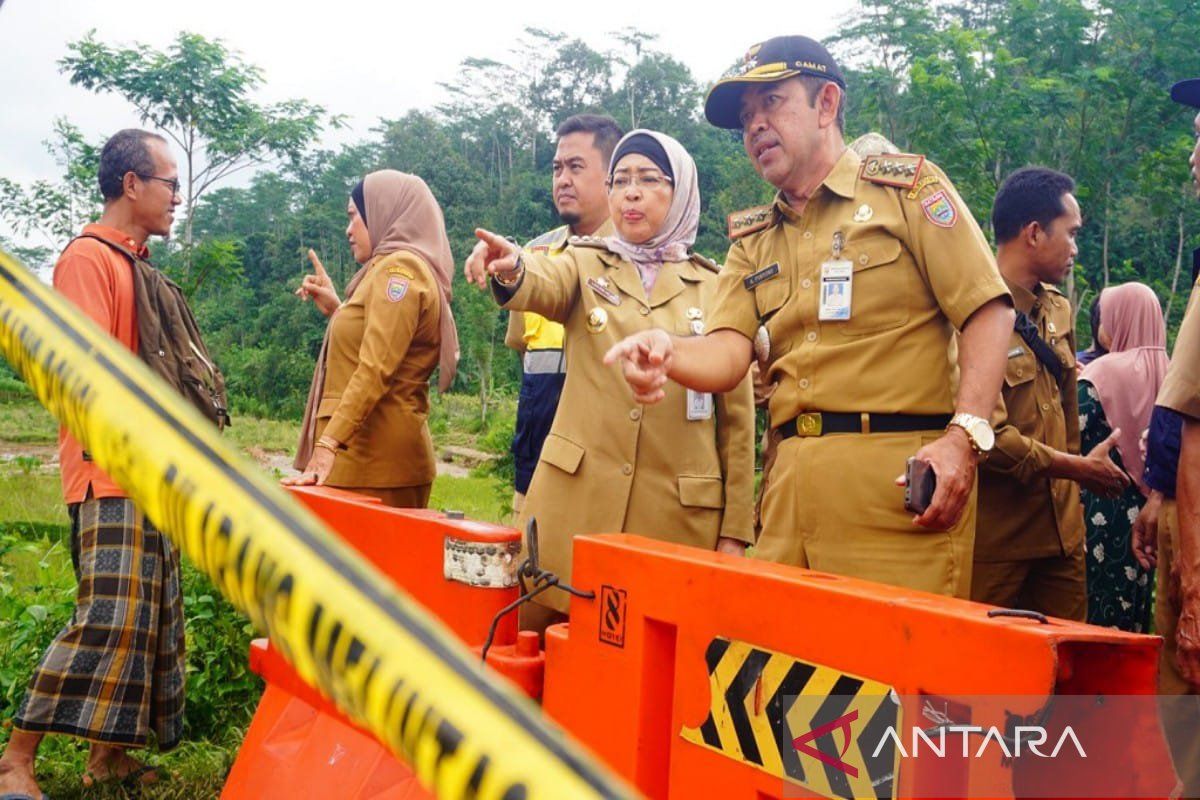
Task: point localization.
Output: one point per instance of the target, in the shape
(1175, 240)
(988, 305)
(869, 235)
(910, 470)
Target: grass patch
(268, 434)
(483, 497)
(26, 422)
(30, 497)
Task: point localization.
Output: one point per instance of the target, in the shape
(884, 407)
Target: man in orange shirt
(116, 671)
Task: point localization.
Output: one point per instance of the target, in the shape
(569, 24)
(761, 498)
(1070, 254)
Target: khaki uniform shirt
(1023, 513)
(1181, 388)
(383, 345)
(529, 331)
(921, 268)
(609, 463)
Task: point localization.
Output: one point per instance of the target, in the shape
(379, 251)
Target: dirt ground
(46, 456)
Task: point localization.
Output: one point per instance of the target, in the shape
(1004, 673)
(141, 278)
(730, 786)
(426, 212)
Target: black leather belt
(819, 423)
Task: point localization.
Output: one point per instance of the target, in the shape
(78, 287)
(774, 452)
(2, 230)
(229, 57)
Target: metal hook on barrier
(1018, 613)
(542, 580)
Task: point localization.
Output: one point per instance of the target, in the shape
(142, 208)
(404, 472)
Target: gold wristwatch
(979, 432)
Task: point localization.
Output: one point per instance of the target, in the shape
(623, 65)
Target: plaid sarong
(116, 671)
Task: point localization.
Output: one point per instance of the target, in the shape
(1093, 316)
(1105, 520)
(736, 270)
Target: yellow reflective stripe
(347, 630)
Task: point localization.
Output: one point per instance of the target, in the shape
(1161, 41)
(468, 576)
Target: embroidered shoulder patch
(939, 209)
(749, 220)
(588, 241)
(396, 289)
(893, 169)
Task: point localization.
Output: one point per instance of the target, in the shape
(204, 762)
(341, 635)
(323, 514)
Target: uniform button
(804, 383)
(806, 283)
(635, 414)
(1020, 372)
(1045, 406)
(626, 469)
(862, 259)
(808, 234)
(645, 311)
(811, 336)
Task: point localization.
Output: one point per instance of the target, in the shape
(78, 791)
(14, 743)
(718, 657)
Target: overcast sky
(365, 59)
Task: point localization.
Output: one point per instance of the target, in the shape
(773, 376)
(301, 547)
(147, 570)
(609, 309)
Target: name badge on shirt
(600, 287)
(764, 274)
(699, 405)
(837, 283)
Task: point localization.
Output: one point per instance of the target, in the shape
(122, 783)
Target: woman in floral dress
(1116, 392)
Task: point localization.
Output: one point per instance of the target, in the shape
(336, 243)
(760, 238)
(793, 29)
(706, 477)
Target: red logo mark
(801, 743)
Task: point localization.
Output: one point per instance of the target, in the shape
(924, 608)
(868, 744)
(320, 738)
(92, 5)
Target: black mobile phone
(920, 481)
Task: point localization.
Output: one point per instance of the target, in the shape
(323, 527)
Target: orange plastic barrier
(680, 672)
(688, 671)
(299, 745)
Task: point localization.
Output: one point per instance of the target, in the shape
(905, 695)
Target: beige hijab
(402, 214)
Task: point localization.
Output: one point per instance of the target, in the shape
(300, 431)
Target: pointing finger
(317, 265)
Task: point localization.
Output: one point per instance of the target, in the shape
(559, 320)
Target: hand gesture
(493, 256)
(1145, 532)
(1099, 474)
(954, 463)
(645, 361)
(319, 287)
(318, 469)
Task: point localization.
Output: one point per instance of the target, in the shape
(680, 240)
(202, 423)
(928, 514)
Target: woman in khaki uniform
(365, 426)
(680, 471)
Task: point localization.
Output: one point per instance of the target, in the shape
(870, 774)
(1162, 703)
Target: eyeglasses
(645, 180)
(172, 182)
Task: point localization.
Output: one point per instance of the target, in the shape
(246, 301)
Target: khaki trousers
(397, 497)
(832, 505)
(1057, 586)
(1181, 714)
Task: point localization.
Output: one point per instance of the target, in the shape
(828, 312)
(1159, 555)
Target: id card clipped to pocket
(837, 285)
(699, 405)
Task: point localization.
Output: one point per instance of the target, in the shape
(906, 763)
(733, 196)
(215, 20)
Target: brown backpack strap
(119, 248)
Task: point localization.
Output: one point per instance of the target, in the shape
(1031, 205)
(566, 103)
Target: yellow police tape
(346, 629)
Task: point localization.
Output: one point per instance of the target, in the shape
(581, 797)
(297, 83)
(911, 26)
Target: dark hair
(357, 194)
(813, 85)
(1031, 194)
(124, 152)
(604, 129)
(1096, 347)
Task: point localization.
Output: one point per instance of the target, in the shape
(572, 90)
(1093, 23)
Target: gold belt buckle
(809, 424)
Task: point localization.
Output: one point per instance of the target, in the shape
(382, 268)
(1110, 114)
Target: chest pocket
(880, 298)
(1020, 368)
(562, 453)
(770, 295)
(1062, 346)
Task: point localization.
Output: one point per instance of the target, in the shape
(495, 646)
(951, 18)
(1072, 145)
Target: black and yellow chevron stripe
(763, 700)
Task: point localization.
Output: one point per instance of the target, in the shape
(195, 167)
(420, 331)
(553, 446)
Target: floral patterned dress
(1119, 590)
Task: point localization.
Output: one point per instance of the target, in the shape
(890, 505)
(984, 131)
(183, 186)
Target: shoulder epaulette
(749, 220)
(704, 261)
(1050, 287)
(901, 170)
(549, 239)
(588, 241)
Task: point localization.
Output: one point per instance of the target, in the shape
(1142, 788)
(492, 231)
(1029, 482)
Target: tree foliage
(982, 87)
(198, 93)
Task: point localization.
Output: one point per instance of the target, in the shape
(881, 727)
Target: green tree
(55, 210)
(199, 94)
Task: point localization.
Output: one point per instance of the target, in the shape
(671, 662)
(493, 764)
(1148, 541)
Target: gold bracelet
(328, 444)
(517, 271)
